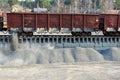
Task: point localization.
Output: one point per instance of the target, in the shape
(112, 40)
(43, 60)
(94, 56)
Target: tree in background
(37, 2)
(12, 2)
(67, 2)
(3, 1)
(52, 2)
(106, 5)
(4, 6)
(57, 6)
(29, 4)
(117, 4)
(43, 3)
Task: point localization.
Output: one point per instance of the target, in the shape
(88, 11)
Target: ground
(62, 71)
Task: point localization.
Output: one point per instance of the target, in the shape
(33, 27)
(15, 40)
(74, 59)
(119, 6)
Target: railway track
(66, 41)
(97, 42)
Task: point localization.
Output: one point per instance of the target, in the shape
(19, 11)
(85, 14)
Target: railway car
(76, 24)
(22, 23)
(110, 24)
(87, 23)
(54, 23)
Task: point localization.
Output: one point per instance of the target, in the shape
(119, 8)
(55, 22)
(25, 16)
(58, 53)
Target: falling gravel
(29, 54)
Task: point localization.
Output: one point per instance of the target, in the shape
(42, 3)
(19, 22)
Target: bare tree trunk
(107, 5)
(70, 10)
(82, 6)
(89, 6)
(75, 6)
(58, 4)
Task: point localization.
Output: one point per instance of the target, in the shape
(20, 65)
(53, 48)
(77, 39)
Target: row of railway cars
(76, 24)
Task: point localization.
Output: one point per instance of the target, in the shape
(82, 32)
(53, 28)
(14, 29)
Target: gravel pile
(48, 55)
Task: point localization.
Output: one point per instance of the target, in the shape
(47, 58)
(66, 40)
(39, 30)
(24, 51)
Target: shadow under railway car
(76, 24)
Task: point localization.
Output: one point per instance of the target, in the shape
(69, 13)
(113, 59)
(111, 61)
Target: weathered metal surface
(78, 21)
(118, 21)
(42, 20)
(66, 20)
(110, 21)
(54, 21)
(65, 23)
(14, 20)
(91, 21)
(29, 20)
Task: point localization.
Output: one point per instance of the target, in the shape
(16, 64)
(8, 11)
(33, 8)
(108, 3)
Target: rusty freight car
(75, 24)
(17, 22)
(84, 24)
(110, 24)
